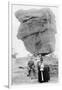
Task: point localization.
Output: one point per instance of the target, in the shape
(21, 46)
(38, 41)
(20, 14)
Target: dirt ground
(19, 75)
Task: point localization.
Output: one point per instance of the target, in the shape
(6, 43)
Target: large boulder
(37, 30)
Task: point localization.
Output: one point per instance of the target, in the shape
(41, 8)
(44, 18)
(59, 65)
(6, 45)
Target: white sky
(18, 44)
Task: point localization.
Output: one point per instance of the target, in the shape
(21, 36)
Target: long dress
(40, 74)
(46, 74)
(43, 75)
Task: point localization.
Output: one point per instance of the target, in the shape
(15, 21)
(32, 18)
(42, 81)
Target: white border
(9, 36)
(9, 45)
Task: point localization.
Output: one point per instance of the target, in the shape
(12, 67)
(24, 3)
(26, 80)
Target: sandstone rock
(37, 30)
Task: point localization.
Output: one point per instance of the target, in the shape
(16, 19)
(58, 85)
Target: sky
(18, 45)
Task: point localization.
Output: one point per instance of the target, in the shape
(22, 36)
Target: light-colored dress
(41, 69)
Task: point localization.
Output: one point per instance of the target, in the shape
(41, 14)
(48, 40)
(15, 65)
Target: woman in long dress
(43, 71)
(40, 70)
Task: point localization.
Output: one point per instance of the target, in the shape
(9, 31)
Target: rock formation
(37, 30)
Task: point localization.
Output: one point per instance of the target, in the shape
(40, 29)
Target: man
(31, 68)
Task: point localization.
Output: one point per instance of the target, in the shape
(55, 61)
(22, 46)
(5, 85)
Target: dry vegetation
(19, 75)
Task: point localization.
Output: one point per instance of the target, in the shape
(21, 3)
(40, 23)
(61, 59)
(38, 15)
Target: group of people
(43, 71)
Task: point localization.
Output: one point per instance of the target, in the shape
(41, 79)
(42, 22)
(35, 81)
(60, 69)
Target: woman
(46, 73)
(40, 69)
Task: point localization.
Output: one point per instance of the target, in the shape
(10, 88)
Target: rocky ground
(19, 70)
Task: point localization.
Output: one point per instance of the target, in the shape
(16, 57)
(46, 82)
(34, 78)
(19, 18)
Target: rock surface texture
(37, 30)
